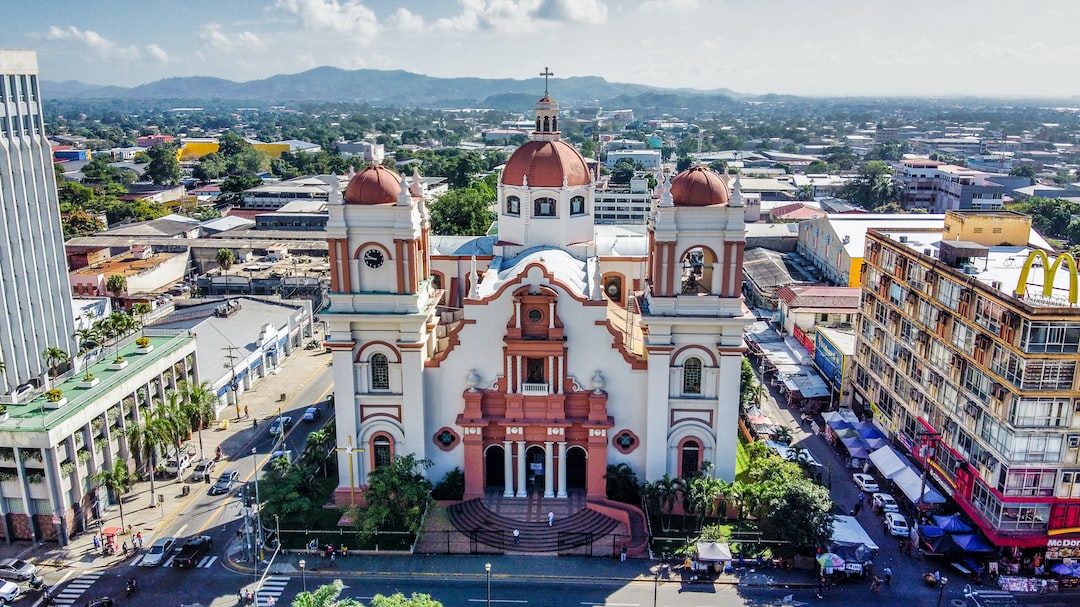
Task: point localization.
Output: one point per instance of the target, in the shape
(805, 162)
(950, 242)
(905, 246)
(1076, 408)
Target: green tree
(231, 143)
(464, 211)
(663, 493)
(326, 596)
(817, 167)
(801, 513)
(54, 357)
(200, 406)
(143, 442)
(164, 168)
(1052, 217)
(396, 497)
(683, 163)
(623, 171)
(873, 187)
(622, 484)
(101, 170)
(225, 260)
(747, 379)
(80, 223)
(116, 284)
(116, 481)
(210, 167)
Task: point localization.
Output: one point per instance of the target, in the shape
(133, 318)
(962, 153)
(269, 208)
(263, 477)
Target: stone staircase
(575, 524)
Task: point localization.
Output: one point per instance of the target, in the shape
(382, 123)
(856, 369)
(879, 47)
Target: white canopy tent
(848, 532)
(713, 552)
(893, 467)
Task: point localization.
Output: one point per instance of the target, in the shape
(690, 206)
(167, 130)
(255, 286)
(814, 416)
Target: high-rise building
(35, 299)
(966, 355)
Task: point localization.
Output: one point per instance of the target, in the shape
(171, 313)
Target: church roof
(621, 240)
(374, 185)
(463, 246)
(698, 187)
(546, 164)
(567, 269)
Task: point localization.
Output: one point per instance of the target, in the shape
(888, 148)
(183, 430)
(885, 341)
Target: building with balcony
(966, 356)
(938, 187)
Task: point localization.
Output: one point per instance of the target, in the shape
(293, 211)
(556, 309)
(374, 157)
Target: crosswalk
(205, 563)
(76, 587)
(272, 587)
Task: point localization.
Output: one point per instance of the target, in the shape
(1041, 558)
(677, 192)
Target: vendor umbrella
(1063, 569)
(829, 559)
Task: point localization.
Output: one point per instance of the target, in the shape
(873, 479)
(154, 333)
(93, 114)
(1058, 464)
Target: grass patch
(742, 461)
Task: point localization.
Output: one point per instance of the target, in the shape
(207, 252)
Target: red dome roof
(698, 187)
(546, 163)
(374, 185)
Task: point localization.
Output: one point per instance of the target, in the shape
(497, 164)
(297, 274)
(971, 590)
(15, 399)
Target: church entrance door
(576, 472)
(534, 468)
(493, 467)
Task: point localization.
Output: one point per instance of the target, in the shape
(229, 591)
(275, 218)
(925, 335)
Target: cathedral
(534, 357)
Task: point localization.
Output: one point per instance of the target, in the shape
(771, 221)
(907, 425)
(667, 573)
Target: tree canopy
(164, 168)
(396, 497)
(873, 187)
(465, 211)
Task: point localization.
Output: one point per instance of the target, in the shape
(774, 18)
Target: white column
(548, 465)
(412, 400)
(562, 469)
(656, 429)
(522, 485)
(508, 469)
(354, 275)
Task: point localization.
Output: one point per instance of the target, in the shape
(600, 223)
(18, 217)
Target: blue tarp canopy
(929, 531)
(971, 542)
(952, 524)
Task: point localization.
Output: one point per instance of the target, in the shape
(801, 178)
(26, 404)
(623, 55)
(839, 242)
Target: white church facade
(533, 359)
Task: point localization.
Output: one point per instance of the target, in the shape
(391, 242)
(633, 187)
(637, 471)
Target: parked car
(193, 551)
(16, 569)
(101, 601)
(204, 469)
(171, 465)
(885, 502)
(158, 552)
(311, 414)
(865, 482)
(280, 424)
(224, 482)
(896, 524)
(9, 591)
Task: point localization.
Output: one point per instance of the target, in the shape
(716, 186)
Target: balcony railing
(535, 389)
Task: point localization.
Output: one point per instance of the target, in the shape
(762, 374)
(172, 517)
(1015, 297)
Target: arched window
(544, 207)
(380, 372)
(383, 454)
(547, 124)
(691, 376)
(555, 123)
(537, 124)
(513, 205)
(690, 459)
(577, 205)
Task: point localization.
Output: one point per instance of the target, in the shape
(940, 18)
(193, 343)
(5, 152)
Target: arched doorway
(576, 473)
(534, 468)
(493, 467)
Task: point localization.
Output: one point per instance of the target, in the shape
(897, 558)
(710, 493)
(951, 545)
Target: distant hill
(382, 87)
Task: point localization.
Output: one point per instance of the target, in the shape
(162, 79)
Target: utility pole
(231, 357)
(928, 442)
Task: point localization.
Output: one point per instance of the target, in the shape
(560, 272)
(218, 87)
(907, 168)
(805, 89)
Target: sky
(918, 48)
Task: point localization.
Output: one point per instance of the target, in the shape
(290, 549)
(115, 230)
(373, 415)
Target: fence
(300, 539)
(563, 543)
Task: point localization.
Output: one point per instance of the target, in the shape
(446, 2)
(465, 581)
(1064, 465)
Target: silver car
(16, 569)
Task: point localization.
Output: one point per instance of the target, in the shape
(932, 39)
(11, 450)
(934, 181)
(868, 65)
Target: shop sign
(941, 482)
(1063, 548)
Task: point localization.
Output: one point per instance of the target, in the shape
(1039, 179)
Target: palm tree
(116, 480)
(200, 405)
(782, 435)
(54, 357)
(171, 423)
(139, 310)
(225, 259)
(116, 285)
(756, 392)
(806, 192)
(664, 492)
(143, 441)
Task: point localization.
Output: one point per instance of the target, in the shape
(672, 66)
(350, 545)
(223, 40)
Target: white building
(650, 159)
(533, 361)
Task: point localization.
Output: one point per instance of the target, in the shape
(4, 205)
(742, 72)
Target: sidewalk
(140, 514)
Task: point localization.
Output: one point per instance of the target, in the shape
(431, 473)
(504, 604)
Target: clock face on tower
(373, 258)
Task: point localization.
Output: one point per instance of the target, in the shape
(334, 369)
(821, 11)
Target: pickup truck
(192, 552)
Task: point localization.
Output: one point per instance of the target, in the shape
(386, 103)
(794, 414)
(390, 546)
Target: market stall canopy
(848, 532)
(784, 451)
(952, 524)
(911, 484)
(713, 552)
(888, 462)
(971, 542)
(930, 531)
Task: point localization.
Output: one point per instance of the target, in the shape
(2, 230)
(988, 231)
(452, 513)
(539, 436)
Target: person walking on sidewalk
(551, 518)
(821, 587)
(888, 574)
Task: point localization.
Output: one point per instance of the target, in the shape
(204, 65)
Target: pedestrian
(821, 587)
(125, 549)
(901, 546)
(875, 584)
(240, 593)
(344, 550)
(517, 536)
(937, 577)
(856, 509)
(869, 568)
(246, 414)
(97, 543)
(271, 601)
(333, 559)
(551, 518)
(862, 496)
(888, 574)
(254, 423)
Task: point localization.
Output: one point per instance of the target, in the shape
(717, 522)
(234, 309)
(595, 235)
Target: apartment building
(615, 203)
(939, 187)
(967, 356)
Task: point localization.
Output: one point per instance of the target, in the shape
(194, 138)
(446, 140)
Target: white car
(158, 552)
(280, 425)
(895, 524)
(9, 591)
(171, 463)
(885, 502)
(865, 482)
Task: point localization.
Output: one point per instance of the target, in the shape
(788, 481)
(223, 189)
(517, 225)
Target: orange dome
(546, 163)
(374, 185)
(698, 187)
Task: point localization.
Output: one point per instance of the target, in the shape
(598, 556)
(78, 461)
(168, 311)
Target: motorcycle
(131, 587)
(311, 345)
(36, 583)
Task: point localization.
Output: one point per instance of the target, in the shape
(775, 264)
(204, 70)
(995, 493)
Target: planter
(148, 349)
(4, 416)
(89, 383)
(55, 404)
(117, 366)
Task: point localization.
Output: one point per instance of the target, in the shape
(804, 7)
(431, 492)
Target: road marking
(206, 562)
(180, 531)
(168, 563)
(612, 604)
(76, 587)
(135, 561)
(273, 586)
(498, 601)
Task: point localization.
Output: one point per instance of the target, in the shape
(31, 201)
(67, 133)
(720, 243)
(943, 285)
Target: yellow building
(989, 228)
(193, 149)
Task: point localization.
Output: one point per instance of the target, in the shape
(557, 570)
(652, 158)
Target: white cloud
(157, 52)
(661, 6)
(213, 36)
(407, 21)
(508, 14)
(577, 11)
(338, 16)
(93, 41)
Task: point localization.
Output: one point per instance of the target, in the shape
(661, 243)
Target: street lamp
(303, 576)
(655, 586)
(941, 589)
(487, 569)
(258, 514)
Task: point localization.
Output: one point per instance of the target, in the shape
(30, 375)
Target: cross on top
(545, 74)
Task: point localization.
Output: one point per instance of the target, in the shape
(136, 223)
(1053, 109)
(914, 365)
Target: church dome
(698, 187)
(374, 185)
(545, 164)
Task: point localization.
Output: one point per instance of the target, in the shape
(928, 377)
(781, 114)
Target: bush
(142, 342)
(54, 395)
(451, 487)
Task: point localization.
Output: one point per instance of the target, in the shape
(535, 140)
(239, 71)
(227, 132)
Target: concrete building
(938, 187)
(35, 299)
(623, 203)
(967, 357)
(534, 361)
(650, 159)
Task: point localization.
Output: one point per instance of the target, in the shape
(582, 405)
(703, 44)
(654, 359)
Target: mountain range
(379, 87)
